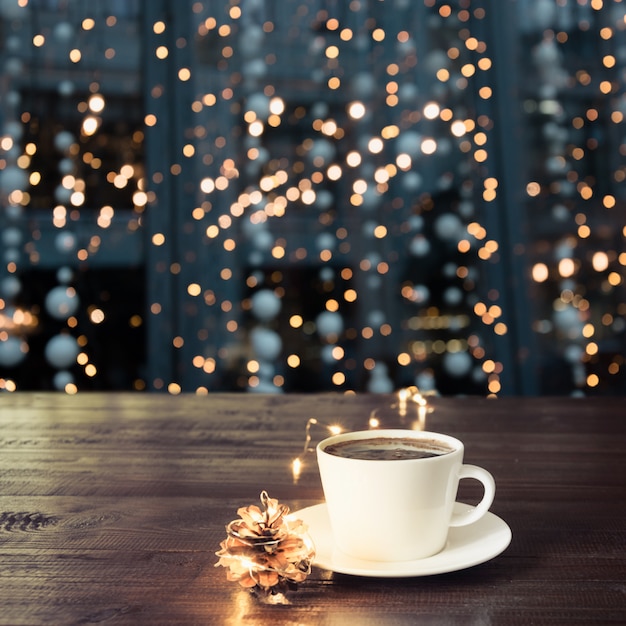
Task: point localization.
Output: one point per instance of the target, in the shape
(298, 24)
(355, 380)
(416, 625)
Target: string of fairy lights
(371, 129)
(410, 407)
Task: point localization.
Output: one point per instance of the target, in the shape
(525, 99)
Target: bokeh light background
(313, 195)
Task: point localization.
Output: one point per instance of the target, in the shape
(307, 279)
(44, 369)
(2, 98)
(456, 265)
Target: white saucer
(467, 546)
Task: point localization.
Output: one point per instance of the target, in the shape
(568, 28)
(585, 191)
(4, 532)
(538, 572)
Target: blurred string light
(379, 157)
(387, 152)
(579, 267)
(404, 135)
(64, 351)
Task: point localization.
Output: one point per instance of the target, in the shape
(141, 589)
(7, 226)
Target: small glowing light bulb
(249, 564)
(296, 468)
(420, 399)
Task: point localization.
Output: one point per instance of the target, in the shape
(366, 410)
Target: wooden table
(112, 507)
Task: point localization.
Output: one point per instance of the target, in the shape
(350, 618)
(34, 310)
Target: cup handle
(463, 518)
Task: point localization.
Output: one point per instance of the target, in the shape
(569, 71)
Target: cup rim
(457, 444)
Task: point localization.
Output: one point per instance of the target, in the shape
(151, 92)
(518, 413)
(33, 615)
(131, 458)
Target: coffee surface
(388, 448)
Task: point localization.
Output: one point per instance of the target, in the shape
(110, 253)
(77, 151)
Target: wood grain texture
(113, 505)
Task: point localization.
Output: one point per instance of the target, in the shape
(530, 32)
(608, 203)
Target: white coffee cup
(400, 509)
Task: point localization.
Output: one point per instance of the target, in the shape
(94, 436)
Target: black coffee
(388, 448)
